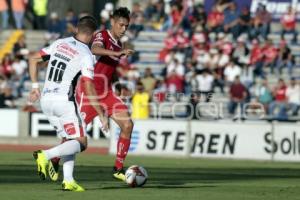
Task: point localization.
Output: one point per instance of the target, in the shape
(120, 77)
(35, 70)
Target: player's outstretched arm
(98, 50)
(92, 96)
(34, 60)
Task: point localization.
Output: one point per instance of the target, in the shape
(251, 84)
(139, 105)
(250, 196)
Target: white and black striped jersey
(68, 59)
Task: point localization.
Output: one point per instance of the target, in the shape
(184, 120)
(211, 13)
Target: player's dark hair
(87, 24)
(121, 12)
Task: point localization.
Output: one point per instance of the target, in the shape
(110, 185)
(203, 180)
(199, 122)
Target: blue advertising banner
(208, 4)
(276, 7)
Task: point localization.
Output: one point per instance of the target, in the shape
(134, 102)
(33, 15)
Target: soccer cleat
(119, 174)
(53, 170)
(72, 186)
(41, 163)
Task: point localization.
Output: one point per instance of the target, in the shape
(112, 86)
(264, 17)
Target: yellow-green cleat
(41, 163)
(53, 171)
(72, 186)
(119, 174)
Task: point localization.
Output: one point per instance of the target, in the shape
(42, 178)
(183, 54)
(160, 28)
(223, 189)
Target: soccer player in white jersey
(67, 59)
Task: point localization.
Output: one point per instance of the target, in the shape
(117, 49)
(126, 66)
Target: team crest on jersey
(99, 37)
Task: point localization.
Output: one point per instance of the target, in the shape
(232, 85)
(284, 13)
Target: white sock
(67, 148)
(68, 167)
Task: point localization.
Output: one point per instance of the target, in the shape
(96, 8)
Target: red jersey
(170, 42)
(103, 72)
(106, 65)
(215, 18)
(256, 55)
(182, 40)
(176, 17)
(270, 53)
(280, 94)
(289, 21)
(237, 91)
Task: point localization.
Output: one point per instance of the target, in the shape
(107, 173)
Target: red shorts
(109, 102)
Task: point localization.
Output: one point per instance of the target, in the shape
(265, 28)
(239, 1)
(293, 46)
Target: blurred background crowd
(224, 52)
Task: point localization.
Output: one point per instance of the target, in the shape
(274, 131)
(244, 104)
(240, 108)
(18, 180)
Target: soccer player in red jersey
(107, 46)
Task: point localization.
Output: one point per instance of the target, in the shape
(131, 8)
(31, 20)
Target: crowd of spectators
(225, 50)
(13, 73)
(21, 8)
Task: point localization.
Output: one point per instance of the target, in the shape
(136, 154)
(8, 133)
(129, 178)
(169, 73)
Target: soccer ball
(136, 176)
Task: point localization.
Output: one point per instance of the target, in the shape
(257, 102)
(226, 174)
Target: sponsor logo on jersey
(47, 91)
(66, 49)
(70, 128)
(98, 37)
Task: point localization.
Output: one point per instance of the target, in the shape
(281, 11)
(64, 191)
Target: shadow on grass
(152, 186)
(158, 177)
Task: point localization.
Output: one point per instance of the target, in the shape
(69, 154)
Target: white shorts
(64, 116)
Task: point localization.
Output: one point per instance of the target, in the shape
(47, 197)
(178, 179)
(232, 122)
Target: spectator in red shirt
(280, 100)
(159, 92)
(215, 20)
(176, 14)
(181, 39)
(6, 66)
(288, 22)
(256, 59)
(170, 41)
(238, 95)
(199, 37)
(174, 83)
(270, 53)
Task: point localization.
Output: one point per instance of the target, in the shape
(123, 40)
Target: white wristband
(35, 86)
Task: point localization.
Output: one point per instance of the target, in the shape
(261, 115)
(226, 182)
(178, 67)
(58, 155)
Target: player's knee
(128, 126)
(82, 146)
(83, 143)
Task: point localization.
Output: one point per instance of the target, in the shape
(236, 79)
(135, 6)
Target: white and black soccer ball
(136, 176)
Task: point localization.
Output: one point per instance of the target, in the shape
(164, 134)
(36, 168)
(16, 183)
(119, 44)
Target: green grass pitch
(169, 178)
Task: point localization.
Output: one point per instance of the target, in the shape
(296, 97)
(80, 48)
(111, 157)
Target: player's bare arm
(98, 50)
(35, 60)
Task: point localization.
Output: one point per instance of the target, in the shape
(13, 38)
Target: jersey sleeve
(87, 69)
(46, 51)
(98, 39)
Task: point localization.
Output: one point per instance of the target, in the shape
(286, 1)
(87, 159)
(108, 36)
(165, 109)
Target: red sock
(122, 150)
